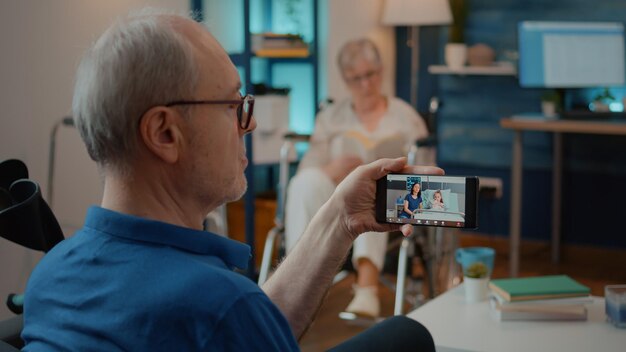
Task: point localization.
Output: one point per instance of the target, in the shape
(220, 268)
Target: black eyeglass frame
(247, 99)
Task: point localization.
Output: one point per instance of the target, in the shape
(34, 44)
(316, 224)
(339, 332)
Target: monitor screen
(571, 54)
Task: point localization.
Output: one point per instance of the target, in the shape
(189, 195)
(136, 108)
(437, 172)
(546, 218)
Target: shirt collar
(233, 253)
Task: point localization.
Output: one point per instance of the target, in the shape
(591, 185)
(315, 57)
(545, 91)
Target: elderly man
(158, 106)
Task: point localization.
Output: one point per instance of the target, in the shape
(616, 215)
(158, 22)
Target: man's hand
(355, 196)
(341, 167)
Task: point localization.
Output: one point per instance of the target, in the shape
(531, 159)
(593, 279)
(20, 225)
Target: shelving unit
(244, 60)
(497, 69)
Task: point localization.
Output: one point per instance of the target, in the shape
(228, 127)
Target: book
(277, 41)
(588, 299)
(356, 143)
(538, 287)
(512, 312)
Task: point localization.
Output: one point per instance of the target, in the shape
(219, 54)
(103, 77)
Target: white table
(459, 326)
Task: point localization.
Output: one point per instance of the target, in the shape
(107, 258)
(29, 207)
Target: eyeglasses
(360, 78)
(245, 106)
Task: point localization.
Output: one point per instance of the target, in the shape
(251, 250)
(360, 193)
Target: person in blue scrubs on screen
(412, 202)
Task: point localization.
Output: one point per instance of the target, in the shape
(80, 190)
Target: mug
(470, 255)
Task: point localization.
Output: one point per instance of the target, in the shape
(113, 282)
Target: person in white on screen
(437, 202)
(372, 116)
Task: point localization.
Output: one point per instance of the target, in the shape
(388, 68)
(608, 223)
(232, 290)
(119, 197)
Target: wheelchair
(425, 244)
(25, 219)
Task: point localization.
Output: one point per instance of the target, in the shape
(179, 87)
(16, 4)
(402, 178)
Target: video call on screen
(441, 201)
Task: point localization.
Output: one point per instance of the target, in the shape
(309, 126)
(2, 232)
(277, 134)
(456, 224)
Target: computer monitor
(571, 54)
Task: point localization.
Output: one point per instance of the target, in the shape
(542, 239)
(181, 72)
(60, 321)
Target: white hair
(140, 62)
(358, 49)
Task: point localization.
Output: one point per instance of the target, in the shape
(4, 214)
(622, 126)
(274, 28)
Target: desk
(520, 124)
(460, 326)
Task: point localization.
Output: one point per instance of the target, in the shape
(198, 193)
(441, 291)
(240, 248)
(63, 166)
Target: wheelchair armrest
(297, 137)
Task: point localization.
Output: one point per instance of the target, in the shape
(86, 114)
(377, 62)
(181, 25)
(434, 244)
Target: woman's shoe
(365, 302)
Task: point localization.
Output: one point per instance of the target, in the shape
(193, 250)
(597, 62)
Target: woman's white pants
(308, 190)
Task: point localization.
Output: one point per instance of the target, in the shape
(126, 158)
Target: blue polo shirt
(125, 283)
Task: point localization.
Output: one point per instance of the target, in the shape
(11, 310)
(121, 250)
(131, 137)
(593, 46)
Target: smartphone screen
(448, 201)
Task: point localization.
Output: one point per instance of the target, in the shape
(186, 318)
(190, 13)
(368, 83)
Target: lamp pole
(414, 43)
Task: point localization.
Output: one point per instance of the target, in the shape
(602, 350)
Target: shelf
(282, 53)
(497, 69)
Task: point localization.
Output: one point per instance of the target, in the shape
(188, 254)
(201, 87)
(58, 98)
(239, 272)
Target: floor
(594, 267)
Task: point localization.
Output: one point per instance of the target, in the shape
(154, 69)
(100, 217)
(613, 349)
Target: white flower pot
(548, 108)
(455, 55)
(475, 289)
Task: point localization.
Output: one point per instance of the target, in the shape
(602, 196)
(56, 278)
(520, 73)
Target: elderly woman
(346, 135)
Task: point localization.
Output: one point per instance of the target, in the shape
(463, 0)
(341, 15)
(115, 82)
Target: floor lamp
(414, 13)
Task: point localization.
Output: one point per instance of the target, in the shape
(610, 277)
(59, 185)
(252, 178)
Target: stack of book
(279, 45)
(556, 297)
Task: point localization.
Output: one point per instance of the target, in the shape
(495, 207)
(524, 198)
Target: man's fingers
(422, 170)
(406, 229)
(382, 167)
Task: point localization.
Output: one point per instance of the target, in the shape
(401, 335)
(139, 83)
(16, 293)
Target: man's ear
(161, 133)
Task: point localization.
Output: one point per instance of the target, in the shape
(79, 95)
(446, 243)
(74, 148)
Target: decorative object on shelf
(414, 14)
(480, 55)
(456, 55)
(550, 103)
(602, 101)
(456, 49)
(292, 10)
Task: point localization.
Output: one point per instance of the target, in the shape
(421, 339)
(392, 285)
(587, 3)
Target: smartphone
(427, 200)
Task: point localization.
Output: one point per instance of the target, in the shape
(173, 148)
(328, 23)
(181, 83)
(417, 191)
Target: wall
(471, 141)
(42, 42)
(352, 19)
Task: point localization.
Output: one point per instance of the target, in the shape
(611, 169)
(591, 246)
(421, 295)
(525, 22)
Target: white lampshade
(416, 12)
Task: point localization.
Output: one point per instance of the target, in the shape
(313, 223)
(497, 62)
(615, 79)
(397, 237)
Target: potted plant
(550, 103)
(456, 50)
(476, 279)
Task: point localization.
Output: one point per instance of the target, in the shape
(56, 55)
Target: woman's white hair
(353, 50)
(140, 62)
